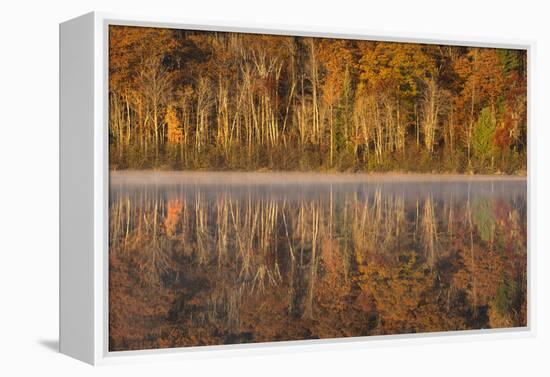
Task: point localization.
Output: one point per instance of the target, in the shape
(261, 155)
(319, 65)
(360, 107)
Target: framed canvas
(233, 189)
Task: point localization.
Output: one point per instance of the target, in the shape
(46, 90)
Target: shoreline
(281, 178)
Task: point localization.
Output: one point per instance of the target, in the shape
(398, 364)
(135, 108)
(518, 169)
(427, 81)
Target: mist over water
(222, 258)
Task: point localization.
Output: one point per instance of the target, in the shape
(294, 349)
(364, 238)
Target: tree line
(181, 99)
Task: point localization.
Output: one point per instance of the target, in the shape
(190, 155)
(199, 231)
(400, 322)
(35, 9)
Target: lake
(224, 258)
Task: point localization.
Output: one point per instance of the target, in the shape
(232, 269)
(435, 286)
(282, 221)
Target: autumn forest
(196, 100)
(271, 188)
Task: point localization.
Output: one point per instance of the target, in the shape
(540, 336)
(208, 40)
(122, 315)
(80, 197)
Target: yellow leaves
(395, 66)
(335, 56)
(129, 46)
(175, 133)
(482, 73)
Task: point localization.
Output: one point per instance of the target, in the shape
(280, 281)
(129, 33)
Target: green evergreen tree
(510, 59)
(483, 136)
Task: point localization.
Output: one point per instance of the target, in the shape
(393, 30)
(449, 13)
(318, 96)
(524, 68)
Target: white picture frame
(84, 173)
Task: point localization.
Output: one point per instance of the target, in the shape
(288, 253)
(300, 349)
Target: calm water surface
(222, 260)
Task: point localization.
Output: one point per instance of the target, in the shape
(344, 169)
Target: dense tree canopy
(183, 99)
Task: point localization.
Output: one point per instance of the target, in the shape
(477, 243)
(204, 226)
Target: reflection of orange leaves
(398, 291)
(127, 298)
(174, 209)
(497, 320)
(501, 210)
(480, 275)
(360, 285)
(330, 255)
(461, 279)
(483, 284)
(429, 317)
(333, 285)
(164, 343)
(364, 302)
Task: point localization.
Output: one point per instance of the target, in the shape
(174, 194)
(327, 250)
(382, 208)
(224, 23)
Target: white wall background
(29, 183)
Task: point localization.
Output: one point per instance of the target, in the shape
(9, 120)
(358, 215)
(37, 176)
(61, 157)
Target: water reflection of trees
(211, 267)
